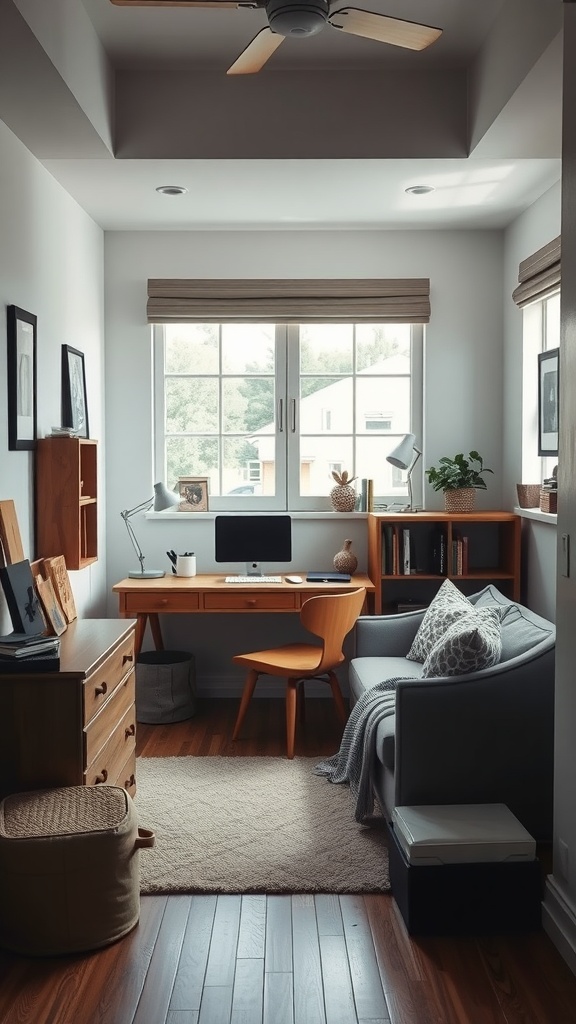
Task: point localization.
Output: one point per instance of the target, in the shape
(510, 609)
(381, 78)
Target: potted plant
(459, 478)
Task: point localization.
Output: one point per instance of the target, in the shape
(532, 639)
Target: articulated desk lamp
(163, 499)
(405, 456)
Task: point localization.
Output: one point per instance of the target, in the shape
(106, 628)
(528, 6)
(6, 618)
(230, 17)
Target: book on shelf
(465, 555)
(406, 551)
(439, 553)
(369, 495)
(387, 551)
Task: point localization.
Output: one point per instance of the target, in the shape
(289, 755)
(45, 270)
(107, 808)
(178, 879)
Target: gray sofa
(483, 737)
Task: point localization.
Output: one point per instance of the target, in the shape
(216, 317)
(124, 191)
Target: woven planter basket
(462, 499)
(528, 495)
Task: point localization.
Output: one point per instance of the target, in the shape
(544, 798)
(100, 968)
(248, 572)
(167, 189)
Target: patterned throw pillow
(447, 606)
(472, 643)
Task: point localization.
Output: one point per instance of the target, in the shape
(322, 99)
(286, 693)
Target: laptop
(328, 577)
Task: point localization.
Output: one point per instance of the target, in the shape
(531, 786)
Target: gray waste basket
(165, 687)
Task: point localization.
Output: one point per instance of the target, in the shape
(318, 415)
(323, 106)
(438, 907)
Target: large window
(267, 411)
(541, 332)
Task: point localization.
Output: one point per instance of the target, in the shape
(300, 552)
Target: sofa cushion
(365, 672)
(470, 644)
(448, 605)
(521, 629)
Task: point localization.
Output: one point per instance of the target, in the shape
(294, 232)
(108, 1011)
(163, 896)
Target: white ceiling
(142, 48)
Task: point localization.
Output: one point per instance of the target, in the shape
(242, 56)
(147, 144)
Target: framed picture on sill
(21, 379)
(193, 491)
(74, 398)
(548, 408)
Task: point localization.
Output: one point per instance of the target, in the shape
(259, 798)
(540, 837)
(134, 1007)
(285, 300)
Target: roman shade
(539, 275)
(324, 300)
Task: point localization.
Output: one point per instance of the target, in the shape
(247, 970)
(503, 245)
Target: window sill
(550, 518)
(326, 514)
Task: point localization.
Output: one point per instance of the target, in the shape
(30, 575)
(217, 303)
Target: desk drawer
(177, 602)
(112, 759)
(101, 727)
(260, 601)
(102, 683)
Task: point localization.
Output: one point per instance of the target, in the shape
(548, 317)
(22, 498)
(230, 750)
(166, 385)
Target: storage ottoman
(69, 869)
(463, 868)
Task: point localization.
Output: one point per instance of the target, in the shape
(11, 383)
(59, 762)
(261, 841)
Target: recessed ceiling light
(171, 190)
(419, 190)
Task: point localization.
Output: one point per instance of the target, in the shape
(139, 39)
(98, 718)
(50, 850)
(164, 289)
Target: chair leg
(291, 699)
(338, 698)
(249, 685)
(301, 702)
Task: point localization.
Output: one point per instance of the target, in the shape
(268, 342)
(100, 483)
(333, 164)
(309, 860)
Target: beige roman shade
(324, 300)
(539, 274)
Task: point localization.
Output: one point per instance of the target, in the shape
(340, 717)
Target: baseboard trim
(559, 922)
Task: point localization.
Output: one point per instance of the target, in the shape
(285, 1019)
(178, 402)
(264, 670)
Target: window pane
(191, 405)
(378, 342)
(241, 468)
(190, 456)
(247, 348)
(247, 405)
(318, 456)
(382, 405)
(191, 348)
(326, 404)
(326, 348)
(553, 321)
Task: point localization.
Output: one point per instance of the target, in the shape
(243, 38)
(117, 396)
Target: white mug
(185, 565)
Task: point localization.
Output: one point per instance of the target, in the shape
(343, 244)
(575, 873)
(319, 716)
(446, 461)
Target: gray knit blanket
(354, 763)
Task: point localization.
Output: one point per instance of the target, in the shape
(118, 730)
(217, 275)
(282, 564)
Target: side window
(540, 332)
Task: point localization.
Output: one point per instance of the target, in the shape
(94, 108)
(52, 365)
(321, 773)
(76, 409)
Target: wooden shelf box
(67, 500)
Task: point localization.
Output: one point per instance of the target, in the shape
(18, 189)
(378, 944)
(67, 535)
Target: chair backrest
(331, 617)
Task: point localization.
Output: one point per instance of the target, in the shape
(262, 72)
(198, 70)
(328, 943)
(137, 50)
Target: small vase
(345, 560)
(461, 499)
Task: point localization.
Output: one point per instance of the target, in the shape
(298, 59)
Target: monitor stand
(253, 569)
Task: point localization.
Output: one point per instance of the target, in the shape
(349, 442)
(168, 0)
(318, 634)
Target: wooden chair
(329, 616)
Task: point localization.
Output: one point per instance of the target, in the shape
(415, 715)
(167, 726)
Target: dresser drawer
(126, 777)
(101, 684)
(260, 601)
(105, 722)
(109, 763)
(161, 602)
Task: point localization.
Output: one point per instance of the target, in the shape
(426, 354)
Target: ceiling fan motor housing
(297, 17)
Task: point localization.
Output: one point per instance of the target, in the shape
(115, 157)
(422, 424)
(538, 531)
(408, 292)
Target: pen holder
(186, 565)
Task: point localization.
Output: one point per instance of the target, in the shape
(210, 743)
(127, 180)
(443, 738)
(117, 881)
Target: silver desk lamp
(405, 456)
(162, 499)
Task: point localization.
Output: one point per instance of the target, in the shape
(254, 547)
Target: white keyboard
(253, 579)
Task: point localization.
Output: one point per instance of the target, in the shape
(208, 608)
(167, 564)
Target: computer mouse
(293, 579)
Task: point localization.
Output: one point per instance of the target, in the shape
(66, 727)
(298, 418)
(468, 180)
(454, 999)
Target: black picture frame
(548, 401)
(74, 395)
(21, 351)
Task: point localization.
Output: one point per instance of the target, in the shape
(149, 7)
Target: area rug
(253, 825)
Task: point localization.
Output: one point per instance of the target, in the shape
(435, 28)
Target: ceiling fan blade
(383, 29)
(256, 53)
(176, 3)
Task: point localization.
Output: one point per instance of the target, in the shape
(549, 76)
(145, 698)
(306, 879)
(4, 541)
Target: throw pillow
(472, 643)
(447, 606)
(521, 628)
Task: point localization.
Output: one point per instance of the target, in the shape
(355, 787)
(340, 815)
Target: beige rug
(253, 824)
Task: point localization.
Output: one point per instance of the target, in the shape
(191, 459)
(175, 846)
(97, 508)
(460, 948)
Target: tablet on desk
(328, 577)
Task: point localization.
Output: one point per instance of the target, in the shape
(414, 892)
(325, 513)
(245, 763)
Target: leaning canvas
(21, 598)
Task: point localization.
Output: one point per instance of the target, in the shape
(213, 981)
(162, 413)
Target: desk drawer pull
(101, 689)
(130, 782)
(252, 602)
(130, 731)
(163, 600)
(127, 657)
(102, 777)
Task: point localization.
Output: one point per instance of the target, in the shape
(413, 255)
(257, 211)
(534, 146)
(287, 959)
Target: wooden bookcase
(67, 500)
(478, 548)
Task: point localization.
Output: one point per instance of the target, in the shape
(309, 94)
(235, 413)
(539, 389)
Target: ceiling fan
(306, 18)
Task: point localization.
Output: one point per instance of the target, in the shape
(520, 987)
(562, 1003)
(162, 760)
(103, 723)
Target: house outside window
(292, 400)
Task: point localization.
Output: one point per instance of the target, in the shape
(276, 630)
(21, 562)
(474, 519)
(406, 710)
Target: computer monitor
(253, 540)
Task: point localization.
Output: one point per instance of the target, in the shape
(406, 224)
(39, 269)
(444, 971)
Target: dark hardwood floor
(297, 959)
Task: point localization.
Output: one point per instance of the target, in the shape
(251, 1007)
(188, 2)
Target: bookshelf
(67, 500)
(410, 554)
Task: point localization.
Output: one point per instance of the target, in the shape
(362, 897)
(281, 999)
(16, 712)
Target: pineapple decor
(343, 496)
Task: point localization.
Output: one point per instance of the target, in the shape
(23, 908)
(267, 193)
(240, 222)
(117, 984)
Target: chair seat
(301, 660)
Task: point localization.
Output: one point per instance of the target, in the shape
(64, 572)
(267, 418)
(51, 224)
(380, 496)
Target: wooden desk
(146, 599)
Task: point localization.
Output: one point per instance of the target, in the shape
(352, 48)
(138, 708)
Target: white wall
(51, 264)
(528, 233)
(463, 381)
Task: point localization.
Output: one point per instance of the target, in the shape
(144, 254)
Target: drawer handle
(101, 689)
(130, 731)
(127, 657)
(252, 603)
(130, 782)
(102, 777)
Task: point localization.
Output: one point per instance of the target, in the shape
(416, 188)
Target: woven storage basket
(165, 687)
(528, 495)
(69, 873)
(462, 499)
(548, 501)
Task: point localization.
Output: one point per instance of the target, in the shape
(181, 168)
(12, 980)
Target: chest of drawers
(76, 726)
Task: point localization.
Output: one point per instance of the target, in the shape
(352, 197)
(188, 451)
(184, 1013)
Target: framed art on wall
(548, 365)
(74, 397)
(193, 491)
(21, 379)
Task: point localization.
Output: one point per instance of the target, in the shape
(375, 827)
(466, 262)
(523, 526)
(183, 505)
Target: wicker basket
(462, 499)
(548, 501)
(528, 495)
